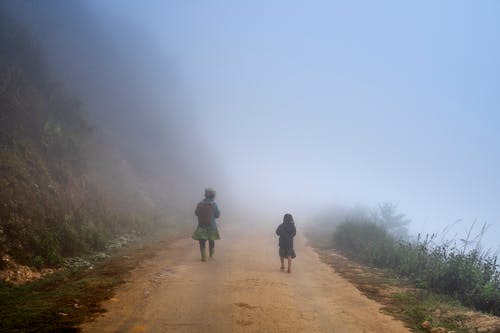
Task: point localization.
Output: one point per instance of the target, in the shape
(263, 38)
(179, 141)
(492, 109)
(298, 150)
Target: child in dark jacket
(286, 231)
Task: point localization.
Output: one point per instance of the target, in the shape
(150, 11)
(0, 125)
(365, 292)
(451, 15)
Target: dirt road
(241, 290)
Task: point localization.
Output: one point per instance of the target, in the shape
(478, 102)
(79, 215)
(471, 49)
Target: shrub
(470, 277)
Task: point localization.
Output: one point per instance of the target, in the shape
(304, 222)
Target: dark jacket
(286, 231)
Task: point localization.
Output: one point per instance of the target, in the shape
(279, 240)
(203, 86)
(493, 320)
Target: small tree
(395, 223)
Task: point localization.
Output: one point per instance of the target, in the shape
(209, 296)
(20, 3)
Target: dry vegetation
(62, 190)
(65, 193)
(418, 281)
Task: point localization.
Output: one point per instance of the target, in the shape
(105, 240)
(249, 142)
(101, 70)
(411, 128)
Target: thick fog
(294, 106)
(131, 94)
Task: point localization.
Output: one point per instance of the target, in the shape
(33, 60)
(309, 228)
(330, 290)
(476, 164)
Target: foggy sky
(311, 104)
(305, 105)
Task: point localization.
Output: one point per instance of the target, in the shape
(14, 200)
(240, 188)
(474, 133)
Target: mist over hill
(129, 87)
(96, 134)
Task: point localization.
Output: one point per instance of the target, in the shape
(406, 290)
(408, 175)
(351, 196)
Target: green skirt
(206, 233)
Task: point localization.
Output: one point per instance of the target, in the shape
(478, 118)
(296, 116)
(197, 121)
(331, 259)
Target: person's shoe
(203, 255)
(282, 268)
(289, 270)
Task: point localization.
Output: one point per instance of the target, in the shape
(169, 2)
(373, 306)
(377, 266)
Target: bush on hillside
(472, 277)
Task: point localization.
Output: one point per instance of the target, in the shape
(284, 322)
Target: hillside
(65, 187)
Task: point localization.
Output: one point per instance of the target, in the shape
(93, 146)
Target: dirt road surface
(240, 290)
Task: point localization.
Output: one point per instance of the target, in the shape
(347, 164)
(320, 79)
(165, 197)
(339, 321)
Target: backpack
(205, 213)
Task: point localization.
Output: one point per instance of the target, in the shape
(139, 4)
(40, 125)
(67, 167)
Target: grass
(415, 280)
(470, 277)
(417, 306)
(399, 298)
(62, 301)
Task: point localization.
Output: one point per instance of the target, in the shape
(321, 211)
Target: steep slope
(69, 181)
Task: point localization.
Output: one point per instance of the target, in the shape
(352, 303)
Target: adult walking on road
(207, 211)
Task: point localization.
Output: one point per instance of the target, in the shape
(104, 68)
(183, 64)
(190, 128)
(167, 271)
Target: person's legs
(202, 249)
(211, 247)
(289, 264)
(282, 263)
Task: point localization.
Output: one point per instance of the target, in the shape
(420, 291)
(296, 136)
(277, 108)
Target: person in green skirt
(207, 211)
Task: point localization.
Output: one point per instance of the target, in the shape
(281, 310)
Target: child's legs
(202, 243)
(282, 253)
(289, 264)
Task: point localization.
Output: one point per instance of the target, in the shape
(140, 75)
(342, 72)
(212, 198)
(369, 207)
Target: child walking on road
(286, 231)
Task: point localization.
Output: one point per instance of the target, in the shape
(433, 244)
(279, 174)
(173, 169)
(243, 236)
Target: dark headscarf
(287, 218)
